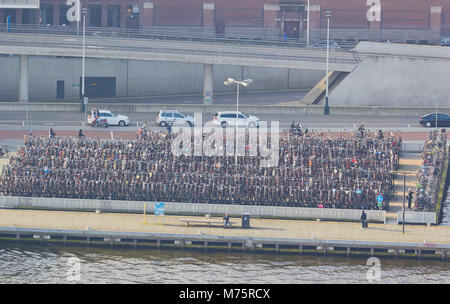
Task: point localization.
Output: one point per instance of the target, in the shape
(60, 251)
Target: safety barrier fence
(412, 217)
(190, 208)
(168, 33)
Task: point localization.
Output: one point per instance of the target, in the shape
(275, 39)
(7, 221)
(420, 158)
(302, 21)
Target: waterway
(23, 263)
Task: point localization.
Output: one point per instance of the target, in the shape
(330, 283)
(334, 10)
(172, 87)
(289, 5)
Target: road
(12, 128)
(184, 51)
(64, 119)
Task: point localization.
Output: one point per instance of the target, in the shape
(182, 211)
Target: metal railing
(177, 33)
(194, 49)
(190, 208)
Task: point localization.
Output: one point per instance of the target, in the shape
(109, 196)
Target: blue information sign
(159, 208)
(380, 198)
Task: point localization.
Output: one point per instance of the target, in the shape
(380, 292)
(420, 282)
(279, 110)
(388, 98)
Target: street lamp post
(244, 83)
(326, 110)
(436, 115)
(404, 197)
(83, 101)
(307, 26)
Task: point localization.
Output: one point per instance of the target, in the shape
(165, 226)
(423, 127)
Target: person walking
(80, 134)
(410, 197)
(51, 133)
(364, 220)
(169, 129)
(226, 219)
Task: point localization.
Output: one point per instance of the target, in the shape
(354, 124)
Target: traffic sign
(159, 208)
(380, 198)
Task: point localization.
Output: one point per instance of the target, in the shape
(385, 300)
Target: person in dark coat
(226, 219)
(51, 133)
(410, 197)
(364, 220)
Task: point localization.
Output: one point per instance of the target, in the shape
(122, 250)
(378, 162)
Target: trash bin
(245, 221)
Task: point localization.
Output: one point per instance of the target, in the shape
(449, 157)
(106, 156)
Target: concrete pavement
(259, 228)
(409, 162)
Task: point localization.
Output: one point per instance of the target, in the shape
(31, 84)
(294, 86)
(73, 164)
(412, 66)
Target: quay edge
(142, 240)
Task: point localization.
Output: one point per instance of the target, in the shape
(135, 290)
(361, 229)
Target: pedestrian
(364, 220)
(226, 218)
(51, 133)
(410, 197)
(80, 134)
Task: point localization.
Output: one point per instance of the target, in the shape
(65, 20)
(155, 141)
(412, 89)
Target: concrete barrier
(211, 109)
(412, 217)
(412, 146)
(188, 208)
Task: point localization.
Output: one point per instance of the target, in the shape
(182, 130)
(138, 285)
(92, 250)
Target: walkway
(259, 228)
(409, 162)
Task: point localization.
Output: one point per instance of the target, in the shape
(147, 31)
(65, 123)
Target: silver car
(228, 118)
(165, 117)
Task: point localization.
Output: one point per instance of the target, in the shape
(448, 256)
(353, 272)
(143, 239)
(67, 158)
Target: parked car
(228, 118)
(165, 117)
(112, 119)
(429, 120)
(445, 44)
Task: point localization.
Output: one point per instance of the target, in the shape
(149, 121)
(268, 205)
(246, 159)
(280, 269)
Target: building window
(133, 16)
(47, 14)
(63, 15)
(12, 15)
(95, 15)
(28, 16)
(113, 15)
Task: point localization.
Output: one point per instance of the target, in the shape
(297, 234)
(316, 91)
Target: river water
(22, 263)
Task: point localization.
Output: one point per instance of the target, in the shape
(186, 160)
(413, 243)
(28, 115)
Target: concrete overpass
(389, 74)
(208, 54)
(373, 74)
(401, 75)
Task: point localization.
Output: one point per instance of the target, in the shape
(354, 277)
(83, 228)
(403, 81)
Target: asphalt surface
(174, 47)
(13, 127)
(13, 120)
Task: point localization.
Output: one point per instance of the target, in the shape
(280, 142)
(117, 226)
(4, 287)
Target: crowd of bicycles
(430, 173)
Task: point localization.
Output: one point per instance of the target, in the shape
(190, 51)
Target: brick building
(419, 21)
